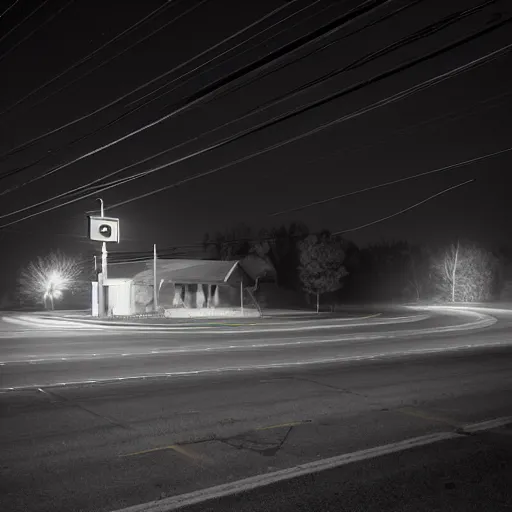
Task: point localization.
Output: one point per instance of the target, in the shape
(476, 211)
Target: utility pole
(103, 229)
(155, 290)
(101, 282)
(242, 295)
(103, 246)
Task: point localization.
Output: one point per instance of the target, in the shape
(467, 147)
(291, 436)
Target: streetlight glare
(56, 279)
(46, 279)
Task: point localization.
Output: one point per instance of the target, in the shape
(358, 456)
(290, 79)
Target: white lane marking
(348, 359)
(255, 482)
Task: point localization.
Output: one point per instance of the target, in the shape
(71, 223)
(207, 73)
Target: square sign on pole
(104, 229)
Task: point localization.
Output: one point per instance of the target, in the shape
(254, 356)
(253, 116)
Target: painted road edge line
(269, 366)
(248, 484)
(487, 425)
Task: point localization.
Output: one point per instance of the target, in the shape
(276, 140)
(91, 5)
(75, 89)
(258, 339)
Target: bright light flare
(46, 279)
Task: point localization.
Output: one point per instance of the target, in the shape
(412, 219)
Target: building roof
(182, 272)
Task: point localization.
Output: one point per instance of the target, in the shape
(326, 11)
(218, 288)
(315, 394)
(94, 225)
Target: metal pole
(102, 288)
(104, 260)
(155, 290)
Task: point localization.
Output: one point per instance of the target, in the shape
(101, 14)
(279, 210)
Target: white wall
(94, 299)
(119, 297)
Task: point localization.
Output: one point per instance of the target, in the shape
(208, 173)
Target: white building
(185, 288)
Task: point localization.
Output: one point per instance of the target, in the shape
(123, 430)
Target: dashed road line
(269, 366)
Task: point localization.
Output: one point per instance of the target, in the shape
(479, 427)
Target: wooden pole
(242, 295)
(155, 289)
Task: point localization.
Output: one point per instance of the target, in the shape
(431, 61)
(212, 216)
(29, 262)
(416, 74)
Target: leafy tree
(465, 273)
(321, 267)
(46, 279)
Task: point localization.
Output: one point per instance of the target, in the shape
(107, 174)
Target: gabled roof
(182, 272)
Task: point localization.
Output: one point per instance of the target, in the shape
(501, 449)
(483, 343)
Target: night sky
(464, 117)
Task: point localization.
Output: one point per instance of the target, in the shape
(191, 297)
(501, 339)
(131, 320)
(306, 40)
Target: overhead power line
(280, 54)
(426, 31)
(304, 40)
(276, 101)
(119, 99)
(317, 49)
(8, 8)
(452, 115)
(107, 187)
(148, 255)
(36, 29)
(89, 56)
(402, 94)
(132, 110)
(400, 212)
(393, 182)
(244, 42)
(403, 41)
(209, 91)
(122, 52)
(455, 17)
(28, 16)
(361, 61)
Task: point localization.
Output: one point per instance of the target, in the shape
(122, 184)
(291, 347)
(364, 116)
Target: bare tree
(45, 280)
(464, 273)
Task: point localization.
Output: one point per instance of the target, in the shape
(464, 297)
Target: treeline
(333, 269)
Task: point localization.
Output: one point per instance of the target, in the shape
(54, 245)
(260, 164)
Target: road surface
(174, 411)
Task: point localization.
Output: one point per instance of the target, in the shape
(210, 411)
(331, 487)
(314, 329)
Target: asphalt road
(224, 402)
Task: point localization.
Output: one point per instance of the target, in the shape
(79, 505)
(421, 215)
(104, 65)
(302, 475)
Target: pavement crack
(330, 386)
(260, 446)
(59, 399)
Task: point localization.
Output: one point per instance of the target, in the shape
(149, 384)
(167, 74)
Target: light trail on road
(118, 355)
